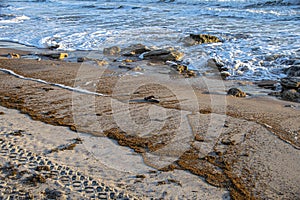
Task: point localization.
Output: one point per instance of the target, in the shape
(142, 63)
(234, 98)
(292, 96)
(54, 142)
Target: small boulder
(236, 92)
(114, 50)
(290, 83)
(293, 70)
(290, 89)
(163, 55)
(204, 38)
(135, 50)
(291, 95)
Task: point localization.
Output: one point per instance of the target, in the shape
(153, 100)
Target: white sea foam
(251, 30)
(17, 19)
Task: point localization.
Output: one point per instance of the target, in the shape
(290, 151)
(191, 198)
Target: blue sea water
(259, 36)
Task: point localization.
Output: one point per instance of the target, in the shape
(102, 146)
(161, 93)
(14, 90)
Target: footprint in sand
(24, 169)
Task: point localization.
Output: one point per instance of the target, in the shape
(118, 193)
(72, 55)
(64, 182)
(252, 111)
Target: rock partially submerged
(293, 71)
(143, 52)
(290, 83)
(163, 55)
(236, 92)
(204, 38)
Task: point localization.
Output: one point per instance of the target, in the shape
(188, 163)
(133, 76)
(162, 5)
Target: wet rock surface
(135, 50)
(293, 71)
(236, 92)
(204, 38)
(290, 89)
(290, 83)
(163, 55)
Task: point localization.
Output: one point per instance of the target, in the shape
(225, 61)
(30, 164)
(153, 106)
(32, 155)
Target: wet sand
(195, 143)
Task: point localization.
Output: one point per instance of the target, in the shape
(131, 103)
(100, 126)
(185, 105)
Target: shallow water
(253, 31)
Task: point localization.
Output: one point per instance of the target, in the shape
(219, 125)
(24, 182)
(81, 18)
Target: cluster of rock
(143, 52)
(197, 39)
(168, 56)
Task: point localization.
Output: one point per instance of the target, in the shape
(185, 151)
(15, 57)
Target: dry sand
(196, 143)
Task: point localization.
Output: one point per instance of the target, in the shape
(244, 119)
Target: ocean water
(259, 37)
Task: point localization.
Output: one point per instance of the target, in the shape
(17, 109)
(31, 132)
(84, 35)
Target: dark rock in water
(290, 83)
(204, 38)
(291, 95)
(114, 50)
(163, 55)
(267, 84)
(135, 50)
(236, 92)
(293, 70)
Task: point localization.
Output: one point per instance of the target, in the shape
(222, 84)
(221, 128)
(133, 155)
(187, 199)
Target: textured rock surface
(163, 55)
(236, 92)
(204, 38)
(293, 70)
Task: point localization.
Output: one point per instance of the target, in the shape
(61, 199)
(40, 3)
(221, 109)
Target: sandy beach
(86, 130)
